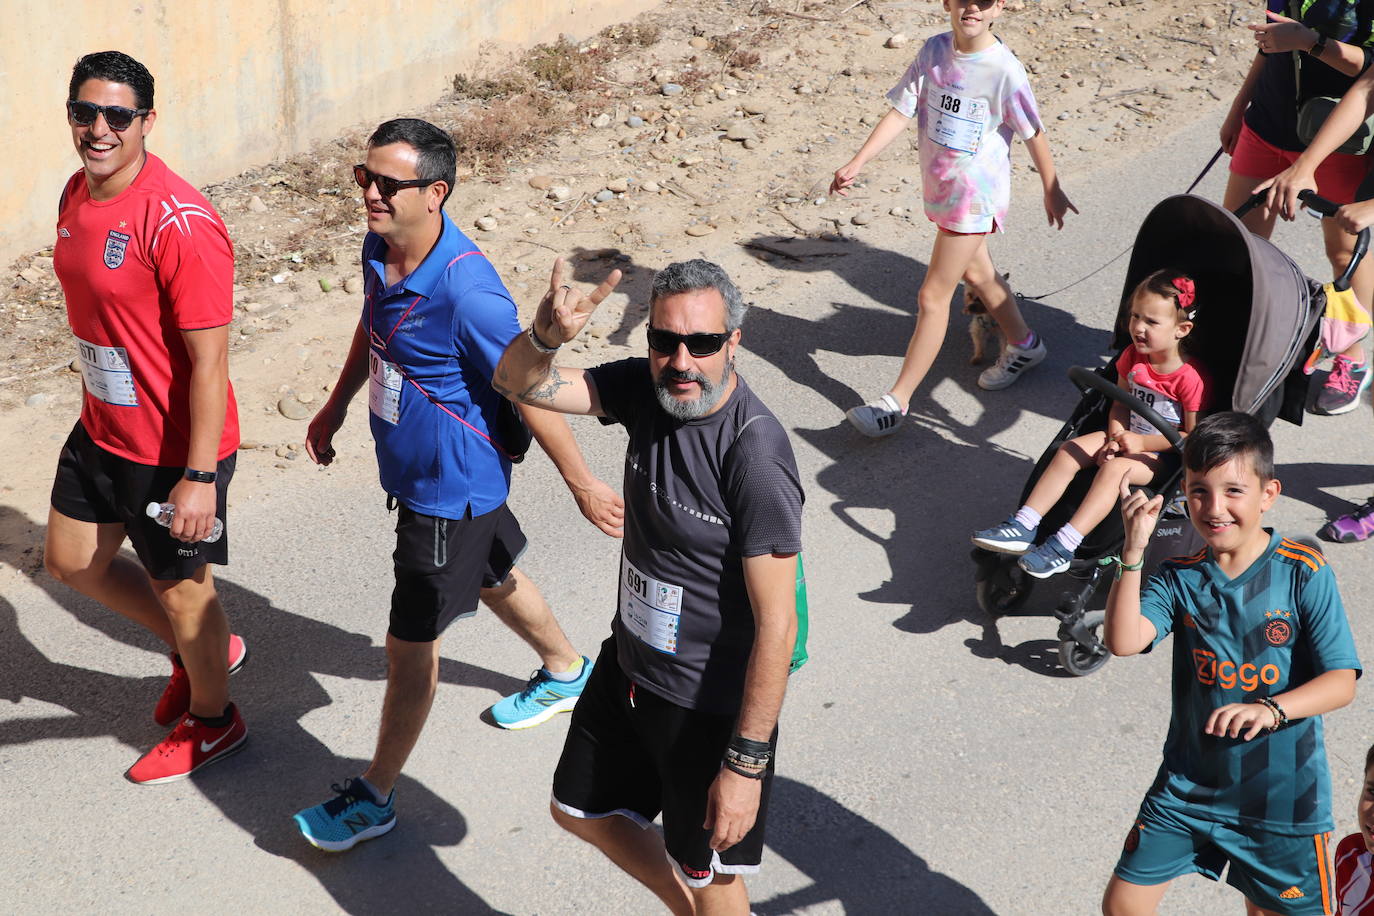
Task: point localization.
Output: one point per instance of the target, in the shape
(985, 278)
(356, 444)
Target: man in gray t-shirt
(680, 713)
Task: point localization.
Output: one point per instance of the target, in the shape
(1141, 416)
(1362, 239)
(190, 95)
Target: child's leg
(996, 294)
(1071, 458)
(1122, 898)
(948, 261)
(1106, 489)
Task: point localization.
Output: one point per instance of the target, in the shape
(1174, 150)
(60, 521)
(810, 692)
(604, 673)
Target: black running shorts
(443, 563)
(638, 755)
(93, 485)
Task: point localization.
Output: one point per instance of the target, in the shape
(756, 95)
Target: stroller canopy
(1256, 311)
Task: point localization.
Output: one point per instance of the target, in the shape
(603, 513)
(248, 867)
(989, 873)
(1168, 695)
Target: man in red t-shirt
(147, 270)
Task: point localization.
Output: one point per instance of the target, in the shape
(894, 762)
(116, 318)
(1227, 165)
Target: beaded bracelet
(746, 773)
(1280, 717)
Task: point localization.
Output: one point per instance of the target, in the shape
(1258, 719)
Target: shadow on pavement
(852, 861)
(283, 767)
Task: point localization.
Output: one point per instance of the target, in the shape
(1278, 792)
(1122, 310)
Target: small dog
(982, 330)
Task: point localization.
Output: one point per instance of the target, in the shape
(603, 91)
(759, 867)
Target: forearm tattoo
(545, 388)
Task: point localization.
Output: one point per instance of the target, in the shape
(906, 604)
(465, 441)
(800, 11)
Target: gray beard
(703, 404)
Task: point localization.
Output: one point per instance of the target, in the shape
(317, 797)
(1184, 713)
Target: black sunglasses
(117, 116)
(699, 344)
(387, 186)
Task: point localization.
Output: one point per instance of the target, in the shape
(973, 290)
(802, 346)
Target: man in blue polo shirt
(435, 321)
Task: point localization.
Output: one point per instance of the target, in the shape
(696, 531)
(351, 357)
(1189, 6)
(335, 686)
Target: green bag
(799, 655)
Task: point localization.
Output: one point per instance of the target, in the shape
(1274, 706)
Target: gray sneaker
(882, 417)
(1011, 364)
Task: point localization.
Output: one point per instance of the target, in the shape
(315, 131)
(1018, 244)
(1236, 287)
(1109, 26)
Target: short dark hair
(114, 67)
(1225, 436)
(1369, 758)
(438, 156)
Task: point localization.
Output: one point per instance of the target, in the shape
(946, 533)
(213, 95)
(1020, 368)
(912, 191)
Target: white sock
(378, 797)
(568, 676)
(1068, 537)
(1028, 518)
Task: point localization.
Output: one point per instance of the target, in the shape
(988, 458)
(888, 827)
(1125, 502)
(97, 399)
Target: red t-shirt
(1171, 394)
(137, 270)
(1354, 888)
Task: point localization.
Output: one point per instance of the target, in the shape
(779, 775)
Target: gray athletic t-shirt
(700, 496)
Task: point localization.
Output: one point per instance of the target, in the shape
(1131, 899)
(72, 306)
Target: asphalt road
(931, 760)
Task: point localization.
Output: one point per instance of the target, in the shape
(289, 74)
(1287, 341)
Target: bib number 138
(950, 103)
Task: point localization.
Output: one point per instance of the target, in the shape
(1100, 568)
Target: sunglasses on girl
(700, 344)
(117, 116)
(387, 186)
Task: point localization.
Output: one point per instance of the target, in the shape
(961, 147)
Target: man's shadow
(853, 861)
(282, 767)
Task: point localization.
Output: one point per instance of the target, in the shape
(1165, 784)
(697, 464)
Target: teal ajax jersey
(1274, 627)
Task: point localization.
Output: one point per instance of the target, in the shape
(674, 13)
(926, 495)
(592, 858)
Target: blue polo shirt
(436, 337)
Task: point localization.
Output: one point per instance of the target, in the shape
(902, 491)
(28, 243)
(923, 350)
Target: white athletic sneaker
(1011, 364)
(882, 417)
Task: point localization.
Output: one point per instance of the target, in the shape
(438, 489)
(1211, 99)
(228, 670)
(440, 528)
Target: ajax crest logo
(115, 245)
(1278, 630)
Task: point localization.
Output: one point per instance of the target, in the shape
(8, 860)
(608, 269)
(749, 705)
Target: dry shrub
(630, 34)
(728, 47)
(511, 82)
(565, 67)
(489, 136)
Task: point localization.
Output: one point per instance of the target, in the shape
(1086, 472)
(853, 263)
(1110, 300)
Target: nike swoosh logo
(208, 746)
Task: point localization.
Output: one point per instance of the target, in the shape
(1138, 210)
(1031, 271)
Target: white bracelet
(539, 344)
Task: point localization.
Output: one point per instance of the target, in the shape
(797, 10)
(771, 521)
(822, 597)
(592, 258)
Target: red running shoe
(176, 696)
(189, 746)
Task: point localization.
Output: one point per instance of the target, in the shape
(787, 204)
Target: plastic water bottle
(162, 513)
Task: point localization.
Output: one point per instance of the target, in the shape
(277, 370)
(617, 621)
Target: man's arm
(601, 505)
(319, 438)
(209, 398)
(771, 581)
(526, 372)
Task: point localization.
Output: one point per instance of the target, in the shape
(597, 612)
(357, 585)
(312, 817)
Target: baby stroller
(1262, 316)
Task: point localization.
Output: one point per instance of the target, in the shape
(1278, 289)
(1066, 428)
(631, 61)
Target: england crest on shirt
(115, 245)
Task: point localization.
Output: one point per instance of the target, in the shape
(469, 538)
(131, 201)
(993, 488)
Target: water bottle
(162, 514)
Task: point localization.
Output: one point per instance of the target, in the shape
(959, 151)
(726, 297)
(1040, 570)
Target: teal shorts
(1275, 871)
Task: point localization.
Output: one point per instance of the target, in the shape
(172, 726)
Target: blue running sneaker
(1009, 537)
(347, 819)
(541, 700)
(1050, 558)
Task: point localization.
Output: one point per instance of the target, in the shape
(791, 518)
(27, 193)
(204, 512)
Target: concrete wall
(241, 82)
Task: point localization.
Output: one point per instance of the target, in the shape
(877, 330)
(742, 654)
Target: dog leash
(1196, 181)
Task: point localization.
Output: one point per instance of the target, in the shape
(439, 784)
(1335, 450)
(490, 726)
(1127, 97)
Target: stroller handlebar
(1327, 209)
(1087, 378)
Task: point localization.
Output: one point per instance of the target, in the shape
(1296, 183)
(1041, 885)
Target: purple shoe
(1348, 529)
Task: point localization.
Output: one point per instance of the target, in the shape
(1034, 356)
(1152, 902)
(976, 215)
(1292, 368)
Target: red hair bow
(1187, 293)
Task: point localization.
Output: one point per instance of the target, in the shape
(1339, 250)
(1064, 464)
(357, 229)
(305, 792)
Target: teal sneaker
(347, 819)
(541, 700)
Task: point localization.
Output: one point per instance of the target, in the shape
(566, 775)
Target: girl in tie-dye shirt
(970, 96)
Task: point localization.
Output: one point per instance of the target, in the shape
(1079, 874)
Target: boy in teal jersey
(1262, 648)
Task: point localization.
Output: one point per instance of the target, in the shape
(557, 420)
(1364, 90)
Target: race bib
(956, 122)
(384, 392)
(105, 370)
(650, 609)
(1167, 408)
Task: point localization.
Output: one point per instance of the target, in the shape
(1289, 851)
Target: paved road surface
(930, 762)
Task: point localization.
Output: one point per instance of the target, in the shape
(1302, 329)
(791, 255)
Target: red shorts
(1338, 177)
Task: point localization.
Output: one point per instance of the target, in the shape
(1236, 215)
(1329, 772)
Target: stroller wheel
(1079, 659)
(1004, 590)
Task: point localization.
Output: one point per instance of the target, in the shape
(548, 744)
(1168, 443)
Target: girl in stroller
(1153, 369)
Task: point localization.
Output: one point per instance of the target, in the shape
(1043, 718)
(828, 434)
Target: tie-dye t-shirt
(968, 107)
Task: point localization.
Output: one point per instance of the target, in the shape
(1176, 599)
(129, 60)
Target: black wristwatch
(1318, 46)
(200, 476)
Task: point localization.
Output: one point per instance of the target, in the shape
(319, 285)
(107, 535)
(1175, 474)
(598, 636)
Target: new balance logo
(551, 698)
(1291, 894)
(357, 822)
